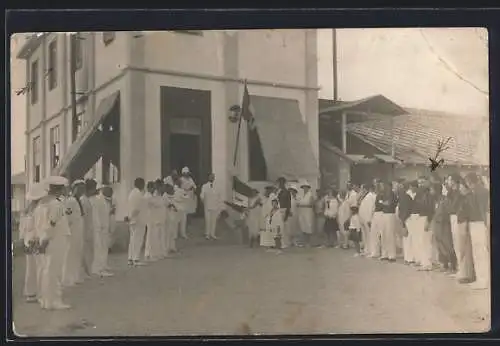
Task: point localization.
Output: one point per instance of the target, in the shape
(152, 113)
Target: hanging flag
(241, 192)
(247, 109)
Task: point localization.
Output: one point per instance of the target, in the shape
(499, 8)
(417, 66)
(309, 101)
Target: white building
(150, 102)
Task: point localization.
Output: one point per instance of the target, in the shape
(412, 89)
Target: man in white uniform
(52, 229)
(366, 211)
(211, 199)
(136, 219)
(72, 265)
(101, 217)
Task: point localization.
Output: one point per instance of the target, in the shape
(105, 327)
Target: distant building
(150, 102)
(384, 140)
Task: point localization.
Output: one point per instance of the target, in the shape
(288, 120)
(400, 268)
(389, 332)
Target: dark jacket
(378, 205)
(424, 204)
(392, 201)
(285, 200)
(441, 213)
(452, 202)
(405, 207)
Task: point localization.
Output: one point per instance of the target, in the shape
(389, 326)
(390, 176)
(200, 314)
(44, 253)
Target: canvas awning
(87, 149)
(285, 139)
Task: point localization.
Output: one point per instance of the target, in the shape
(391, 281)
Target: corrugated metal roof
(378, 104)
(416, 136)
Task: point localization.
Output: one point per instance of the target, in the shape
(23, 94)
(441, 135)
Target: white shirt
(136, 208)
(210, 196)
(367, 207)
(100, 214)
(181, 198)
(50, 219)
(331, 207)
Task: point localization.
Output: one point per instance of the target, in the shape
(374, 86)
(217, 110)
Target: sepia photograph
(258, 182)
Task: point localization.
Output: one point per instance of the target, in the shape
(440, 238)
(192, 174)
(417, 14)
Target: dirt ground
(225, 289)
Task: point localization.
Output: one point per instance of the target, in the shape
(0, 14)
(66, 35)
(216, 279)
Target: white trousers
(365, 231)
(481, 252)
(31, 277)
(51, 272)
(163, 248)
(137, 231)
(455, 238)
(410, 241)
(388, 235)
(210, 222)
(72, 269)
(286, 236)
(182, 215)
(153, 245)
(101, 251)
(172, 227)
(375, 233)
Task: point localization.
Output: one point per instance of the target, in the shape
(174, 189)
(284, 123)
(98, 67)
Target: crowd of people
(435, 224)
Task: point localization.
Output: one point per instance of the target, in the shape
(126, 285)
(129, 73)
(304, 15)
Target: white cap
(185, 170)
(78, 182)
(36, 192)
(57, 180)
(293, 187)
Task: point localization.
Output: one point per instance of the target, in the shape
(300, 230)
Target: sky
(443, 69)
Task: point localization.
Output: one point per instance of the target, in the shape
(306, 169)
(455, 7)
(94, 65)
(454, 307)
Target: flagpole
(238, 135)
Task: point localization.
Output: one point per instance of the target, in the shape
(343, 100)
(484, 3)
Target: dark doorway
(185, 152)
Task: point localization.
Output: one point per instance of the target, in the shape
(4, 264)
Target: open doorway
(185, 152)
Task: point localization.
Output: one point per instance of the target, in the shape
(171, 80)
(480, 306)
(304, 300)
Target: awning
(87, 149)
(285, 139)
(386, 158)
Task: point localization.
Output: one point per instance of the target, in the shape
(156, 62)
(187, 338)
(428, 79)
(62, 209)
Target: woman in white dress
(188, 185)
(274, 227)
(305, 208)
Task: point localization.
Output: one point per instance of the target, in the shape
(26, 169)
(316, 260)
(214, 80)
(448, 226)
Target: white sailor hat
(56, 180)
(78, 182)
(185, 170)
(36, 192)
(293, 187)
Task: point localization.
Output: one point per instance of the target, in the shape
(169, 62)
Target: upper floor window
(108, 37)
(55, 146)
(52, 72)
(36, 160)
(80, 123)
(34, 82)
(77, 51)
(190, 32)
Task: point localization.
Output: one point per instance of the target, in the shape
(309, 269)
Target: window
(55, 147)
(108, 37)
(52, 73)
(36, 160)
(34, 82)
(77, 51)
(114, 174)
(80, 123)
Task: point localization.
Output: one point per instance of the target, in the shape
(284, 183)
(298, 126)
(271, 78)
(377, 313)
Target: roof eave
(30, 46)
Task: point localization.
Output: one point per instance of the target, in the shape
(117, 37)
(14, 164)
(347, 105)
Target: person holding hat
(305, 210)
(72, 269)
(100, 216)
(27, 234)
(52, 229)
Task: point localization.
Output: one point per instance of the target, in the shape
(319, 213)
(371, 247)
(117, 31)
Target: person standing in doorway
(305, 207)
(189, 185)
(52, 229)
(136, 218)
(211, 198)
(100, 214)
(72, 265)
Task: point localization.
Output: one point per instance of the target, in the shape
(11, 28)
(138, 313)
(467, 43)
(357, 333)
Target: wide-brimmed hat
(293, 187)
(36, 192)
(185, 170)
(305, 183)
(56, 180)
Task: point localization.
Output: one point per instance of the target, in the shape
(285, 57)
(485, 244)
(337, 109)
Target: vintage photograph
(250, 182)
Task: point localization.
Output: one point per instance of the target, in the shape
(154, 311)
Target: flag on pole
(241, 192)
(247, 109)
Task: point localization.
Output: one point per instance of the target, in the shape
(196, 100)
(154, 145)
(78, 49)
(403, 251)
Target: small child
(355, 230)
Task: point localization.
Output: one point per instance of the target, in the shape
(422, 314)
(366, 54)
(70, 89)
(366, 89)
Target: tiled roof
(416, 136)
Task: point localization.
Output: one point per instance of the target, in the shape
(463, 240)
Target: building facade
(150, 102)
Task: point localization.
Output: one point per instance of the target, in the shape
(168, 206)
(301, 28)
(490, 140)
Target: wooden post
(344, 132)
(72, 69)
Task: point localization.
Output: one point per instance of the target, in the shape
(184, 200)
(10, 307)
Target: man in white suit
(211, 198)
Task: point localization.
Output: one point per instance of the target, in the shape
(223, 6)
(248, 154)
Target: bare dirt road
(230, 289)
